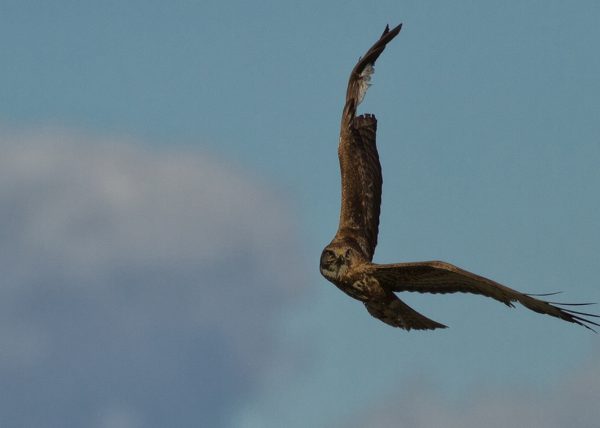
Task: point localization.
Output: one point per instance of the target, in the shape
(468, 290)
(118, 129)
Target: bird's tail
(393, 311)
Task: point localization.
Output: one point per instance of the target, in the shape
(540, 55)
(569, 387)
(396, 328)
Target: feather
(364, 82)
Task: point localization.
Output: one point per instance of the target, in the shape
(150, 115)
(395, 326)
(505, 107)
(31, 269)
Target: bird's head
(338, 257)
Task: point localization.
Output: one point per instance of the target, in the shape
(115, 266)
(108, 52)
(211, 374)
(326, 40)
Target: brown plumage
(346, 261)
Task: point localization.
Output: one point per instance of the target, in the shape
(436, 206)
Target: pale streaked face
(336, 260)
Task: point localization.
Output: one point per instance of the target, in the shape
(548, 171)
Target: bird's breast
(363, 288)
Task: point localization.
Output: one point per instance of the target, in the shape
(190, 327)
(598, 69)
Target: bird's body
(347, 260)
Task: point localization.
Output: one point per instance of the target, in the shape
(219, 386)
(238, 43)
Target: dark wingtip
(542, 294)
(394, 31)
(573, 304)
(570, 315)
(583, 322)
(578, 318)
(438, 325)
(581, 313)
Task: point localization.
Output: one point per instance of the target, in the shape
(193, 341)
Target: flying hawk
(346, 261)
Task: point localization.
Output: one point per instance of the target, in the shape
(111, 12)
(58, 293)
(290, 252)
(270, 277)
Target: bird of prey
(347, 260)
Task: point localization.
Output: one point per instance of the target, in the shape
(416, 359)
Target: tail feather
(393, 311)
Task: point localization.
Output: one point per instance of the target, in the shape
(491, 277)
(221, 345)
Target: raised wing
(359, 161)
(441, 277)
(361, 185)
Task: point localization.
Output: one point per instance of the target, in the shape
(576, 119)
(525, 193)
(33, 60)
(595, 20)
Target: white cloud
(118, 417)
(570, 401)
(143, 278)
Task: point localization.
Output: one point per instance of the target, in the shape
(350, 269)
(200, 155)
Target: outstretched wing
(441, 277)
(359, 162)
(396, 313)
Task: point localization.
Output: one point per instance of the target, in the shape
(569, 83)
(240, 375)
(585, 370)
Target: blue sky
(170, 177)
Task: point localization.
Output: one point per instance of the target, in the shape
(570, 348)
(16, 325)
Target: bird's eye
(327, 258)
(348, 253)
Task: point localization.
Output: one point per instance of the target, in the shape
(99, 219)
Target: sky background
(169, 177)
